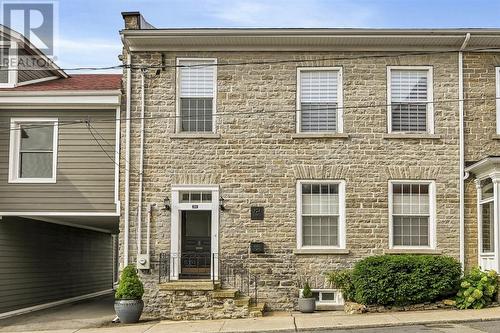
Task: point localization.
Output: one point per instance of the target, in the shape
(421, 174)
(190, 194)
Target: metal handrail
(231, 273)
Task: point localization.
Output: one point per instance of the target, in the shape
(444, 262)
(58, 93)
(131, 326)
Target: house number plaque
(257, 213)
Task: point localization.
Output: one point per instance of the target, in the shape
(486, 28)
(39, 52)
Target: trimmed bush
(306, 291)
(477, 289)
(129, 287)
(405, 279)
(342, 280)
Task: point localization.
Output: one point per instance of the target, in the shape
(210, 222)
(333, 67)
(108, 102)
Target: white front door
(194, 239)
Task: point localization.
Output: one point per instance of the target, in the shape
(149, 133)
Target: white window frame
(178, 127)
(430, 97)
(480, 203)
(340, 99)
(497, 97)
(13, 64)
(432, 213)
(15, 145)
(339, 299)
(342, 223)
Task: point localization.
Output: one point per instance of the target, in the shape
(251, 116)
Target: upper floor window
(497, 95)
(319, 100)
(321, 214)
(8, 71)
(196, 95)
(411, 216)
(33, 150)
(409, 93)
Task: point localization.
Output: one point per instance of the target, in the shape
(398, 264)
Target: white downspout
(127, 161)
(141, 167)
(462, 148)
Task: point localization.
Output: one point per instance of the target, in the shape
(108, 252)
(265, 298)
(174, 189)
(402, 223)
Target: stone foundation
(355, 308)
(181, 301)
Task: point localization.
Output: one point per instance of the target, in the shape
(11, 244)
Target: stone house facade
(295, 152)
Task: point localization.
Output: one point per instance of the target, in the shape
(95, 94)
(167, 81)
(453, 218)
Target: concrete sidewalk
(297, 322)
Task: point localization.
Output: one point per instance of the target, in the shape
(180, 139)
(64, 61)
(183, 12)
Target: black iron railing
(230, 273)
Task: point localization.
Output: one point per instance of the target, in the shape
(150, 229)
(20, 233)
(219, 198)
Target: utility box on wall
(143, 261)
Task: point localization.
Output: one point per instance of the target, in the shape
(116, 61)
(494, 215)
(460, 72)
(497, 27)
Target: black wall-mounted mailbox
(257, 213)
(256, 247)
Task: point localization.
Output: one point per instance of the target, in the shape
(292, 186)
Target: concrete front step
(225, 293)
(242, 301)
(256, 310)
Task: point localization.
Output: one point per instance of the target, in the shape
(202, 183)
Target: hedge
(405, 279)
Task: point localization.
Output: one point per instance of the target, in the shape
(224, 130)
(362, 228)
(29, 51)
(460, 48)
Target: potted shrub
(307, 303)
(128, 296)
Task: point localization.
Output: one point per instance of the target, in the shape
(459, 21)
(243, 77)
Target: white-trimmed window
(319, 100)
(412, 214)
(33, 150)
(196, 94)
(409, 99)
(321, 214)
(326, 296)
(497, 95)
(487, 217)
(8, 64)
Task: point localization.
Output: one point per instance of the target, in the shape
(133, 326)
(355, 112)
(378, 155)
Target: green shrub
(477, 289)
(129, 287)
(405, 279)
(342, 280)
(306, 291)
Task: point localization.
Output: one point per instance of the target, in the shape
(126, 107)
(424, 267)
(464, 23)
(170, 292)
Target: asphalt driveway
(95, 312)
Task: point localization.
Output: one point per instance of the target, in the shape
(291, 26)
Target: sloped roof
(75, 82)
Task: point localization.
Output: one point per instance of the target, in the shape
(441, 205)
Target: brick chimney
(135, 21)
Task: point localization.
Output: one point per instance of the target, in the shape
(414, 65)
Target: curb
(350, 327)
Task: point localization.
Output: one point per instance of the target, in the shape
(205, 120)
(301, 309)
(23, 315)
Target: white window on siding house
(33, 150)
(409, 91)
(412, 220)
(8, 65)
(319, 100)
(321, 214)
(196, 95)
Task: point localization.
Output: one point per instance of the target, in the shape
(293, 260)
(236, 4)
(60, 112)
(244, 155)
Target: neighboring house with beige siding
(59, 202)
(287, 153)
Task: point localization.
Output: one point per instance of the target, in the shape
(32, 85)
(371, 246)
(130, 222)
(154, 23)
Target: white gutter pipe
(126, 212)
(462, 147)
(141, 168)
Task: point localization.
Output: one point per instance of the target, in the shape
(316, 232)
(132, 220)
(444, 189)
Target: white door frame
(175, 230)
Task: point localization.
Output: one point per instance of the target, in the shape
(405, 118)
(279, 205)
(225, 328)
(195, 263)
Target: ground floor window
(411, 205)
(486, 215)
(327, 296)
(321, 214)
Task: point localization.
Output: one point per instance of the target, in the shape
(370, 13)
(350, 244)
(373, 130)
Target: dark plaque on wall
(257, 213)
(256, 247)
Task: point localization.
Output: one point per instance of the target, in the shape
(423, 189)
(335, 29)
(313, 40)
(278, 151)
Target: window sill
(411, 136)
(195, 135)
(320, 136)
(32, 181)
(320, 251)
(413, 251)
(495, 137)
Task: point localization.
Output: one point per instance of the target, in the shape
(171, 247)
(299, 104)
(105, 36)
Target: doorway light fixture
(221, 204)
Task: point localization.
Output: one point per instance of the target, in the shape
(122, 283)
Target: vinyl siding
(85, 179)
(42, 262)
(27, 75)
